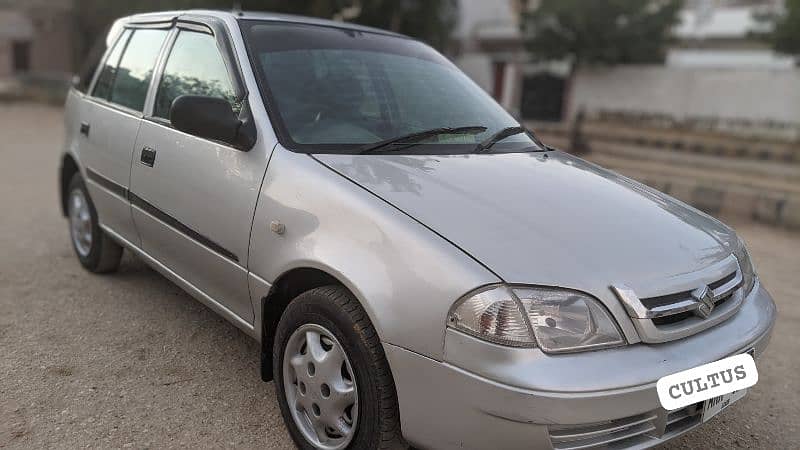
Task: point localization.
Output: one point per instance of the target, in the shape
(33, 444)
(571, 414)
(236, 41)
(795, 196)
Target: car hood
(546, 218)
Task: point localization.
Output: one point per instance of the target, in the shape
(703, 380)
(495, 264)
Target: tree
(599, 32)
(607, 32)
(429, 20)
(785, 36)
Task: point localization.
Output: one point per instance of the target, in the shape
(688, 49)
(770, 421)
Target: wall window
(21, 55)
(194, 67)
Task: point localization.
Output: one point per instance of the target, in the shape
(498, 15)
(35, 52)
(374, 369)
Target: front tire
(95, 250)
(333, 382)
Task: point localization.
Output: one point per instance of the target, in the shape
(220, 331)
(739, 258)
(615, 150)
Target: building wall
(47, 28)
(750, 94)
(6, 68)
(51, 47)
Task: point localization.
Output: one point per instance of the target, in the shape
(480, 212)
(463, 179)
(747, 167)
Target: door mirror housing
(212, 118)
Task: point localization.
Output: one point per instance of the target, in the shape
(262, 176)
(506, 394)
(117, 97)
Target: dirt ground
(130, 360)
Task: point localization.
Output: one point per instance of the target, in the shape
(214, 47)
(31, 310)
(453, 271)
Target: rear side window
(91, 63)
(103, 86)
(136, 67)
(194, 67)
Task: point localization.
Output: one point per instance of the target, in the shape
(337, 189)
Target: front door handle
(148, 156)
(85, 128)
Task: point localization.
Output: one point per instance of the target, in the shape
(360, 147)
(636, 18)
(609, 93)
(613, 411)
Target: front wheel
(333, 382)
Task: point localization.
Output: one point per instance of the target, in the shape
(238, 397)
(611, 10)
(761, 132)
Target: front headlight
(746, 266)
(555, 320)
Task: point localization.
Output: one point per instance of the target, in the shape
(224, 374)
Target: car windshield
(333, 90)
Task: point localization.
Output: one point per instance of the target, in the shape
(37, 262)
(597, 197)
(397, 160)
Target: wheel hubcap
(320, 387)
(80, 221)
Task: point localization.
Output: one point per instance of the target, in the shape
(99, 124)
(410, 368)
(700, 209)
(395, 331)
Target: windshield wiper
(421, 135)
(497, 137)
(508, 132)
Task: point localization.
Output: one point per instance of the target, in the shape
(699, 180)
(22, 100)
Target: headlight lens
(746, 266)
(565, 321)
(557, 320)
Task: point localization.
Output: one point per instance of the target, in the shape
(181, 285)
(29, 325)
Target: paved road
(129, 360)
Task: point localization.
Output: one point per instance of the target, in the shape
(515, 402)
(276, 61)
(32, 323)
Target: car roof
(164, 16)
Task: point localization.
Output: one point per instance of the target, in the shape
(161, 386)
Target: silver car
(418, 268)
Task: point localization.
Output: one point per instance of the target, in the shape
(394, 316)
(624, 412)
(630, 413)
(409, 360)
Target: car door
(110, 122)
(193, 199)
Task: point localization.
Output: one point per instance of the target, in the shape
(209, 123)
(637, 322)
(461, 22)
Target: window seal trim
(115, 106)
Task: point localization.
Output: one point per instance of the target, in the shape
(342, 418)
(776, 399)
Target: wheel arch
(286, 288)
(69, 167)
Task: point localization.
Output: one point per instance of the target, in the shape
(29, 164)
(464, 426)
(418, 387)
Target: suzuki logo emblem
(705, 301)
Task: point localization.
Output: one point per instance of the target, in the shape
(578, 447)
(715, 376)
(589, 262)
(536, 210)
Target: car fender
(405, 276)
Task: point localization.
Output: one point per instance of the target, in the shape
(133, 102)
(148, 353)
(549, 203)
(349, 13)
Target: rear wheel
(95, 250)
(333, 382)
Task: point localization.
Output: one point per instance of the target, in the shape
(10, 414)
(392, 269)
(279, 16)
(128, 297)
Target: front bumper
(489, 396)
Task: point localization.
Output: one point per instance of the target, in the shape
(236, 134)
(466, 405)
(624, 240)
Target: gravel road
(130, 360)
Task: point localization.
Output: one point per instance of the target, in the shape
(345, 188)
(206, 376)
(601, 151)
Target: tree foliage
(428, 20)
(601, 32)
(786, 34)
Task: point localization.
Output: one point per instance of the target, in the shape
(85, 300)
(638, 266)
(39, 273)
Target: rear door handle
(85, 128)
(148, 156)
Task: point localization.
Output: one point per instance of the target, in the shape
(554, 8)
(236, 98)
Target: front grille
(672, 307)
(642, 430)
(679, 317)
(713, 295)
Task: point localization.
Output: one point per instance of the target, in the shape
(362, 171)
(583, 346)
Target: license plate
(717, 384)
(714, 406)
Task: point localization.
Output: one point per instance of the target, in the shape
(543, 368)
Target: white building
(715, 70)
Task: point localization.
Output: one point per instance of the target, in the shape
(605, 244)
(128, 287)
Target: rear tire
(95, 250)
(330, 322)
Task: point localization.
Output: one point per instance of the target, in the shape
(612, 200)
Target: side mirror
(210, 118)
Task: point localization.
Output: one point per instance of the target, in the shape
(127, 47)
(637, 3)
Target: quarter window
(195, 67)
(136, 67)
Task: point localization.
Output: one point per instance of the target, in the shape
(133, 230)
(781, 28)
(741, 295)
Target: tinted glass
(106, 78)
(195, 67)
(336, 90)
(136, 68)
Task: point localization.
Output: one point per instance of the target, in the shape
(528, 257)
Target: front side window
(338, 90)
(136, 67)
(194, 67)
